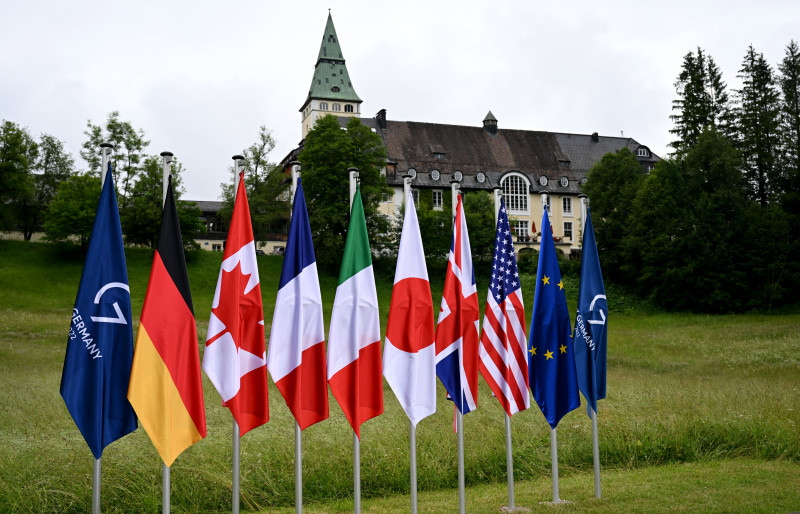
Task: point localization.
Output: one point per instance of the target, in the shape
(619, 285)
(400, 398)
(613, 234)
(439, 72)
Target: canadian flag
(235, 358)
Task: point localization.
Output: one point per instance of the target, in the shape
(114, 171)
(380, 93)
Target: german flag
(166, 389)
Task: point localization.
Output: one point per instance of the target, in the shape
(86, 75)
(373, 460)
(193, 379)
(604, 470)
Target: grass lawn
(702, 415)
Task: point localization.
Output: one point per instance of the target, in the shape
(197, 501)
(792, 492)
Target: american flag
(503, 348)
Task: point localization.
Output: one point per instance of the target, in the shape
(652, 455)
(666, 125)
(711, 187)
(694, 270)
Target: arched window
(323, 106)
(336, 107)
(348, 108)
(515, 193)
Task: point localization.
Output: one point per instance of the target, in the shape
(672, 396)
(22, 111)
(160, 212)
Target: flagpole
(298, 469)
(236, 446)
(509, 464)
(356, 474)
(166, 160)
(412, 442)
(353, 174)
(295, 175)
(596, 454)
(462, 509)
(105, 156)
(554, 464)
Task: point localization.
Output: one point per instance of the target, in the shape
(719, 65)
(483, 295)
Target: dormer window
(458, 176)
(642, 152)
(480, 177)
(412, 173)
(564, 181)
(438, 155)
(335, 89)
(542, 180)
(435, 175)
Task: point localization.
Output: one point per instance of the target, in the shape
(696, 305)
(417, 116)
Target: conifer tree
(790, 117)
(757, 119)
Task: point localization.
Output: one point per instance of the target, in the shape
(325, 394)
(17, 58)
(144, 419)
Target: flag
(296, 354)
(551, 360)
(354, 340)
(166, 389)
(408, 354)
(503, 351)
(590, 323)
(235, 358)
(457, 329)
(97, 364)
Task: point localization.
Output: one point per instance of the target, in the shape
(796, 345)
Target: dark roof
(207, 205)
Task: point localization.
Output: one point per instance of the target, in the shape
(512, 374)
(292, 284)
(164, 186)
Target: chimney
(490, 124)
(595, 137)
(381, 117)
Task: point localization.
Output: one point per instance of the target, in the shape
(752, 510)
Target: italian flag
(354, 350)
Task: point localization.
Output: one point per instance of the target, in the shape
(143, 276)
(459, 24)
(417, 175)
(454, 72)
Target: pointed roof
(331, 80)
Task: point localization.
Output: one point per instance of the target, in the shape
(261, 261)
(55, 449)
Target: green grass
(702, 414)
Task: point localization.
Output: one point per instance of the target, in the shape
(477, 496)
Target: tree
(702, 100)
(129, 145)
(757, 114)
(479, 212)
(141, 220)
(52, 166)
(328, 152)
(71, 213)
(612, 184)
(789, 81)
(18, 153)
(266, 188)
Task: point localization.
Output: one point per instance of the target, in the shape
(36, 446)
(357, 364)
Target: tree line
(715, 226)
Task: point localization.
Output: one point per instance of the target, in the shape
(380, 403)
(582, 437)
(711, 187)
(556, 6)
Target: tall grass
(682, 388)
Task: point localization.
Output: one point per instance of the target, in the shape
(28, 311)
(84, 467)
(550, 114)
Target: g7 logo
(120, 318)
(602, 314)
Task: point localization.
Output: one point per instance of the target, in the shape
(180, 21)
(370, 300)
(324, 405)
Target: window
(564, 181)
(458, 176)
(348, 108)
(584, 180)
(642, 152)
(435, 175)
(515, 192)
(437, 200)
(568, 230)
(566, 205)
(542, 180)
(650, 167)
(323, 106)
(547, 202)
(336, 107)
(216, 247)
(335, 89)
(412, 172)
(438, 155)
(521, 230)
(415, 196)
(480, 177)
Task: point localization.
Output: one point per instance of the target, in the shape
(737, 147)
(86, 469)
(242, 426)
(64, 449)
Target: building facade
(529, 168)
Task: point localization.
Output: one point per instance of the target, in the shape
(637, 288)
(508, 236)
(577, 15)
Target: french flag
(296, 355)
(457, 335)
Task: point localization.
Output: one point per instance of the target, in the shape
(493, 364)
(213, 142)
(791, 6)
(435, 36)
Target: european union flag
(97, 365)
(551, 360)
(590, 323)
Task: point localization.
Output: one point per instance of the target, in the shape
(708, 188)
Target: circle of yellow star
(563, 348)
(533, 350)
(546, 280)
(548, 354)
(561, 285)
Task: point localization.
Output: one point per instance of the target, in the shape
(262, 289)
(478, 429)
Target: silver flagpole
(298, 469)
(295, 175)
(105, 156)
(353, 173)
(356, 474)
(166, 159)
(235, 482)
(462, 504)
(596, 452)
(509, 464)
(554, 464)
(412, 443)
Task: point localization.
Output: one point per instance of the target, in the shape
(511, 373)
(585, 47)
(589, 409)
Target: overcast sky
(201, 77)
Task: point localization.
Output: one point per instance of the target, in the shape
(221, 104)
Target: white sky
(200, 77)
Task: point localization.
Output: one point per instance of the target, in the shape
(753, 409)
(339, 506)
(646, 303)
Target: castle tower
(331, 91)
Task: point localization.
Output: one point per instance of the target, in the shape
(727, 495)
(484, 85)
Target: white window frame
(566, 205)
(515, 188)
(642, 152)
(336, 107)
(522, 229)
(571, 235)
(348, 108)
(438, 200)
(323, 106)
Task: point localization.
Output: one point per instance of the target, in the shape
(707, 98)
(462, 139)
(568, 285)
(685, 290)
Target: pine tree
(790, 117)
(702, 100)
(757, 119)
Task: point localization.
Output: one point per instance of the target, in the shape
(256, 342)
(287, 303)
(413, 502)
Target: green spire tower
(331, 91)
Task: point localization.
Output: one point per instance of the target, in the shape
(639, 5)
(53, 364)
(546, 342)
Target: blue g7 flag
(551, 365)
(590, 323)
(97, 365)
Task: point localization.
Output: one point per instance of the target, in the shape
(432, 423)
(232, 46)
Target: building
(530, 168)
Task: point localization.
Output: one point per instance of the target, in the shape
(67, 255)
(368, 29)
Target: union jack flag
(503, 347)
(457, 328)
